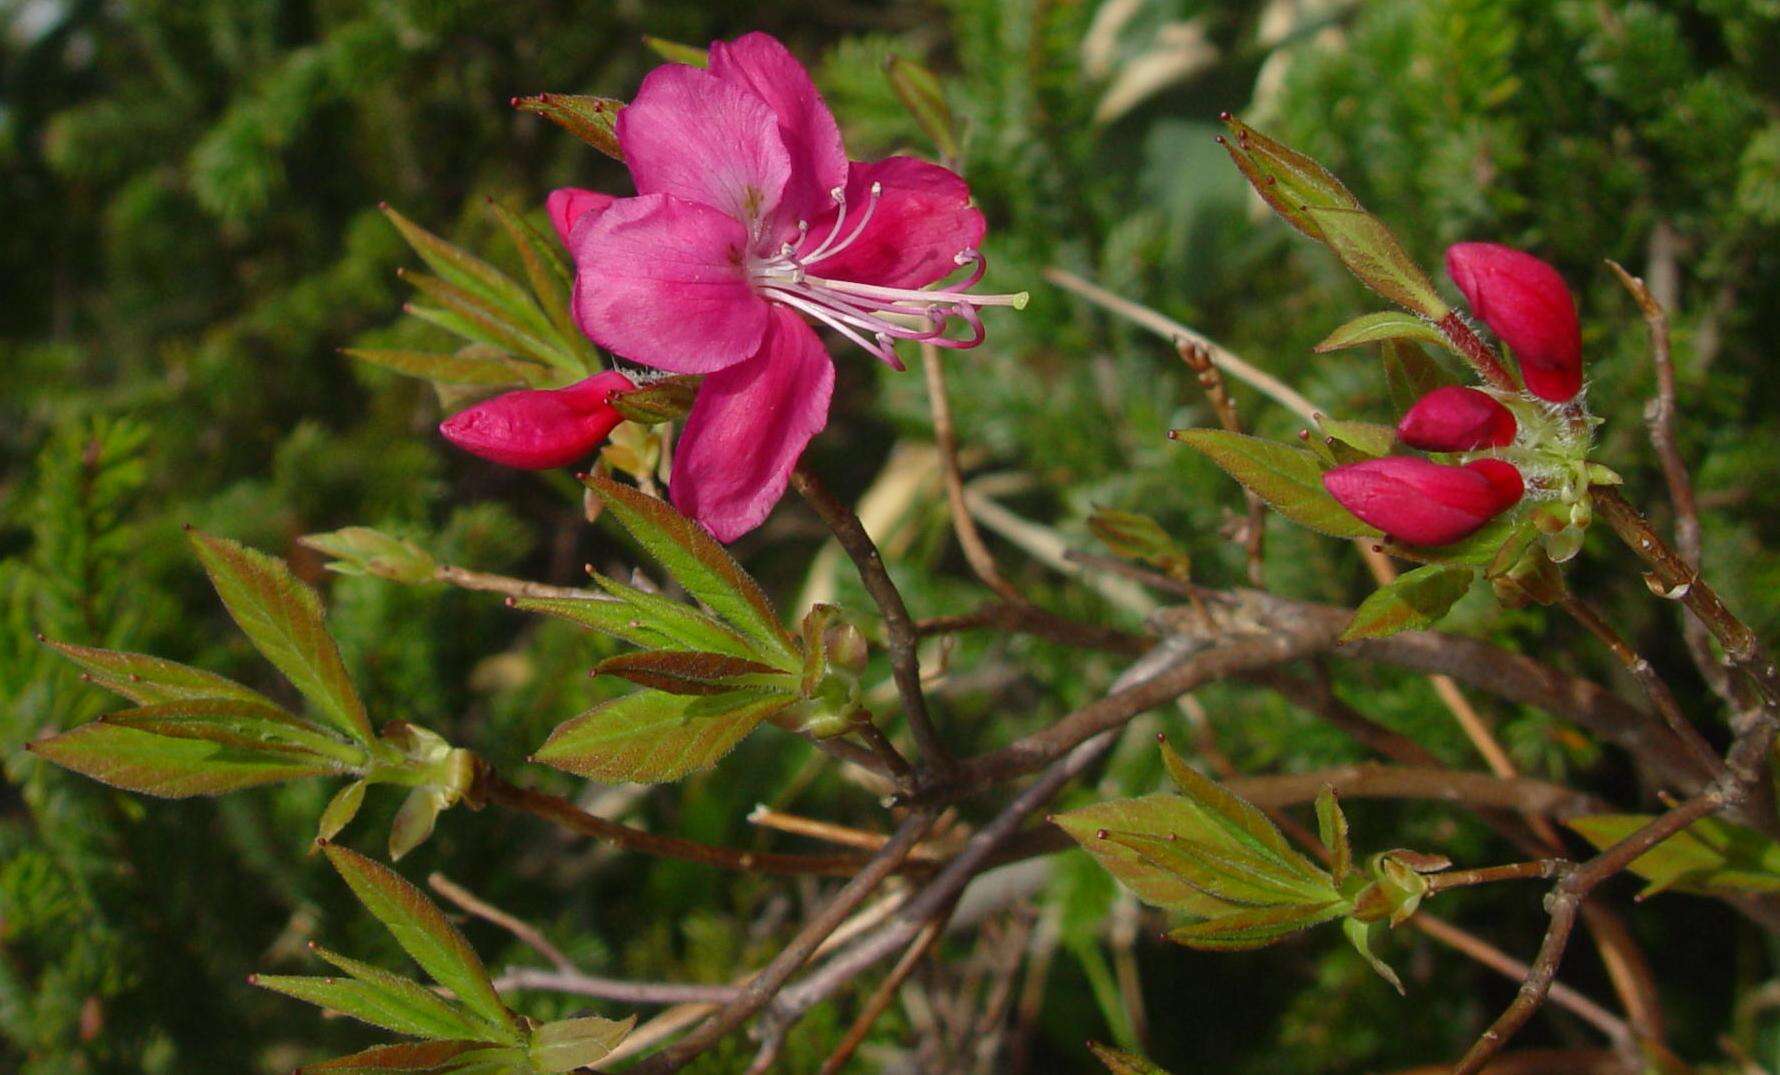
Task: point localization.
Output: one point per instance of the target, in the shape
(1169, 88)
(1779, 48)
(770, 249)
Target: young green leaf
(1287, 180)
(340, 811)
(1226, 872)
(467, 273)
(551, 279)
(666, 400)
(1154, 815)
(252, 726)
(1708, 856)
(520, 331)
(1138, 537)
(649, 736)
(1384, 325)
(446, 1020)
(573, 1043)
(1331, 825)
(1369, 250)
(412, 1058)
(1119, 1062)
(170, 768)
(1232, 820)
(283, 619)
(426, 935)
(1410, 374)
(1256, 927)
(146, 680)
(1287, 478)
(1362, 935)
(404, 1011)
(685, 672)
(360, 550)
(476, 364)
(645, 619)
(700, 564)
(591, 119)
(1412, 601)
(1369, 439)
(920, 92)
(674, 52)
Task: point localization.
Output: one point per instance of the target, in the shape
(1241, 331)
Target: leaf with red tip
(591, 119)
(145, 680)
(684, 672)
(171, 768)
(1287, 478)
(409, 1058)
(651, 736)
(1415, 599)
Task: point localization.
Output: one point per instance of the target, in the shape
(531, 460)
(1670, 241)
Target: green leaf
(551, 280)
(521, 331)
(1138, 537)
(1412, 601)
(426, 935)
(145, 680)
(476, 364)
(1369, 250)
(283, 619)
(591, 119)
(1384, 325)
(674, 52)
(686, 672)
(1362, 935)
(1226, 872)
(1287, 180)
(572, 1043)
(360, 550)
(1710, 856)
(340, 811)
(254, 726)
(644, 619)
(649, 736)
(170, 768)
(1370, 439)
(1155, 815)
(415, 819)
(920, 92)
(411, 1058)
(1331, 825)
(1256, 927)
(1410, 374)
(1234, 820)
(1287, 478)
(392, 1008)
(666, 400)
(467, 273)
(447, 1020)
(1119, 1062)
(700, 564)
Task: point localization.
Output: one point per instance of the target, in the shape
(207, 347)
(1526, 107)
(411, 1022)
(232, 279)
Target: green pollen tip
(1020, 300)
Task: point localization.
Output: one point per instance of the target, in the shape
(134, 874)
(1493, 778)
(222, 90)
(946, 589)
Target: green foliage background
(190, 191)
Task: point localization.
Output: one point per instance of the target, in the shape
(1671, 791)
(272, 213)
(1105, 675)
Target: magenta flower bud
(1526, 303)
(536, 429)
(1456, 419)
(1419, 502)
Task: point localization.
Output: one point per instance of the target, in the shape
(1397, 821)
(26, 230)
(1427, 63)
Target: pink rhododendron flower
(1419, 502)
(540, 428)
(748, 220)
(1456, 419)
(1526, 303)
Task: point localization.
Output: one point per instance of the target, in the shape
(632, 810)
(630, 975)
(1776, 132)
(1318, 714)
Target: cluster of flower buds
(1418, 501)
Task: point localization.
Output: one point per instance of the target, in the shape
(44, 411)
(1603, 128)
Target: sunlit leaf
(145, 680)
(685, 672)
(170, 768)
(1369, 250)
(468, 273)
(1287, 478)
(1363, 935)
(340, 811)
(591, 119)
(395, 1004)
(523, 332)
(1708, 856)
(1236, 820)
(360, 550)
(574, 1043)
(1384, 325)
(233, 722)
(674, 52)
(650, 736)
(426, 935)
(283, 619)
(645, 619)
(1411, 601)
(1155, 815)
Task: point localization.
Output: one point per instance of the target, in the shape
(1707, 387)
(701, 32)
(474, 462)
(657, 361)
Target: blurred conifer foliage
(191, 232)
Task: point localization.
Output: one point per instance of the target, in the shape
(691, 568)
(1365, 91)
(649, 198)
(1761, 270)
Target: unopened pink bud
(1526, 303)
(536, 429)
(567, 205)
(1419, 502)
(1456, 419)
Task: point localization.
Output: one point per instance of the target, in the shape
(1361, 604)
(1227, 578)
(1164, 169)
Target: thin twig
(559, 811)
(899, 629)
(882, 996)
(1199, 360)
(1486, 875)
(771, 978)
(577, 984)
(465, 579)
(945, 437)
(798, 825)
(900, 771)
(1028, 619)
(527, 933)
(1174, 332)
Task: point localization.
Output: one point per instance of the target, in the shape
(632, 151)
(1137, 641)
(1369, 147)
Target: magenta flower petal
(690, 134)
(1526, 303)
(759, 64)
(661, 282)
(921, 222)
(1419, 502)
(536, 429)
(1456, 419)
(747, 428)
(568, 205)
